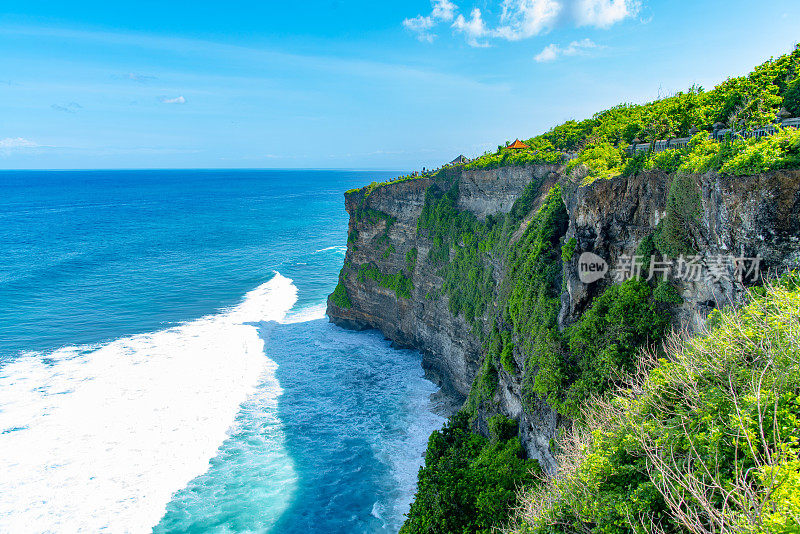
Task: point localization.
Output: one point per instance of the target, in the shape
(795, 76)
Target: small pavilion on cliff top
(517, 145)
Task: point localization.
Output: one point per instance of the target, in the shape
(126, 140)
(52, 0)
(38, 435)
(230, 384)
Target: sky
(346, 83)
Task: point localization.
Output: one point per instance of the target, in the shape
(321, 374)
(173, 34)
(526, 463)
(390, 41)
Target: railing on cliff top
(718, 134)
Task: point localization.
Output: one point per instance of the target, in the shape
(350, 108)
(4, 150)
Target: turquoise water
(165, 363)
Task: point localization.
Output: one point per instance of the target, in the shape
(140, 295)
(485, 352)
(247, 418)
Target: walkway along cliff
(464, 267)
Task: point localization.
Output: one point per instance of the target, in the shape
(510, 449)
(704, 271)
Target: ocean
(166, 364)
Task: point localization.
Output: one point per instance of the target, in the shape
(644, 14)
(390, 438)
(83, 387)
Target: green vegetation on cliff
(541, 151)
(531, 297)
(599, 143)
(673, 235)
(399, 282)
(607, 338)
(738, 157)
(340, 298)
(469, 482)
(561, 368)
(460, 245)
(707, 441)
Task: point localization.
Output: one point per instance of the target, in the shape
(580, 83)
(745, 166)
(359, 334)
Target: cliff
(391, 280)
(451, 348)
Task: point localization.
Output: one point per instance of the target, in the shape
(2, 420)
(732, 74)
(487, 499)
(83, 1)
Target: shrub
(635, 164)
(703, 155)
(631, 131)
(482, 388)
(673, 235)
(502, 428)
(755, 156)
(568, 249)
(705, 442)
(540, 150)
(469, 483)
(667, 293)
(667, 161)
(570, 136)
(401, 285)
(607, 338)
(507, 359)
(340, 298)
(604, 160)
(411, 259)
(646, 249)
(791, 99)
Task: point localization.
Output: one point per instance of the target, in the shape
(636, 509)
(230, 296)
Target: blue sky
(346, 83)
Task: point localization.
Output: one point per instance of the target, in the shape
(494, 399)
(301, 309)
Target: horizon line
(351, 169)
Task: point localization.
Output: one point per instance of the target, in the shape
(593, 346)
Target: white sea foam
(99, 438)
(403, 452)
(303, 315)
(341, 249)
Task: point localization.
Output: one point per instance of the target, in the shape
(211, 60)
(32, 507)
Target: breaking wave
(99, 438)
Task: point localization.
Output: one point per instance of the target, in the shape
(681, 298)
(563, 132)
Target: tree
(791, 99)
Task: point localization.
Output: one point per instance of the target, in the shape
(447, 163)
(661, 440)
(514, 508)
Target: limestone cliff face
(740, 216)
(451, 351)
(487, 192)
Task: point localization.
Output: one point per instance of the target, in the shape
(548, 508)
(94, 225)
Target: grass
(707, 441)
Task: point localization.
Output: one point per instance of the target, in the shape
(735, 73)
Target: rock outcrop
(742, 217)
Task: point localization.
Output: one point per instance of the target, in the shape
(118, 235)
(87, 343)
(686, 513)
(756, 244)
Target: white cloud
(604, 13)
(525, 18)
(16, 142)
(177, 100)
(519, 20)
(443, 11)
(474, 29)
(550, 53)
(522, 19)
(420, 25)
(576, 48)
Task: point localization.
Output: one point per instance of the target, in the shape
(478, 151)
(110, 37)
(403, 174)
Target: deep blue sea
(166, 365)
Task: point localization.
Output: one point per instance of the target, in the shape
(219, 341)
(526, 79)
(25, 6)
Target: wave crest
(100, 437)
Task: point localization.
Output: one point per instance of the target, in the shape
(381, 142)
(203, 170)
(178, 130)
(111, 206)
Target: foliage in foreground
(738, 157)
(469, 482)
(706, 442)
